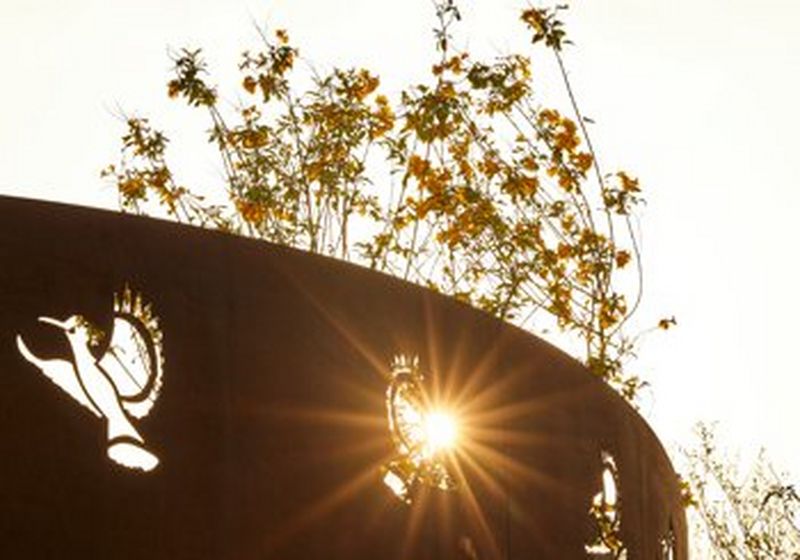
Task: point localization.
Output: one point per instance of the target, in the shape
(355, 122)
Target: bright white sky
(697, 98)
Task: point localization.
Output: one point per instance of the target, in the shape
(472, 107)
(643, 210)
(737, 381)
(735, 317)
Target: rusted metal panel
(269, 427)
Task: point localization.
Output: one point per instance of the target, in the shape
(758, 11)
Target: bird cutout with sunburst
(422, 436)
(120, 386)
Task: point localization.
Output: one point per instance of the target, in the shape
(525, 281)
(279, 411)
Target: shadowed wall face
(175, 393)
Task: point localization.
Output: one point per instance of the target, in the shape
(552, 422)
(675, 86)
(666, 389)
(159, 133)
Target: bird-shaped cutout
(119, 387)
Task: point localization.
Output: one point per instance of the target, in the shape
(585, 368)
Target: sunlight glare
(441, 432)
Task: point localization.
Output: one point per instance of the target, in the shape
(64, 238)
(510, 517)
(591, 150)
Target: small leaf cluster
(546, 26)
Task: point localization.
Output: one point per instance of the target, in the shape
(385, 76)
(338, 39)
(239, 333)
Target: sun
(440, 432)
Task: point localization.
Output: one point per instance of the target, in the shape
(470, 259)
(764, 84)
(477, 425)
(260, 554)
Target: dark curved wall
(271, 427)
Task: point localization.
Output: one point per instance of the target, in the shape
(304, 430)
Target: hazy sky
(698, 98)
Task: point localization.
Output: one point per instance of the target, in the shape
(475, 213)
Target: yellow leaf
(249, 84)
(667, 323)
(622, 258)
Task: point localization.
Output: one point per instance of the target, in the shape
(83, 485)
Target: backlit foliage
(744, 514)
(468, 184)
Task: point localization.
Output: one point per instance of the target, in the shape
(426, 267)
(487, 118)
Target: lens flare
(422, 434)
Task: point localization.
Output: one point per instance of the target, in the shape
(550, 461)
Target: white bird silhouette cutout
(120, 386)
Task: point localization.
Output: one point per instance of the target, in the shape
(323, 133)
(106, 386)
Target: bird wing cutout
(60, 372)
(133, 363)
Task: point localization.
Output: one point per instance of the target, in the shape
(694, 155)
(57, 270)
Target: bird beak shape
(53, 322)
